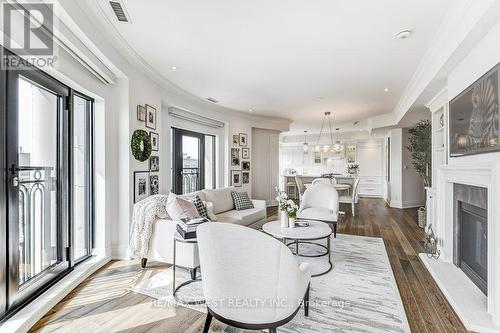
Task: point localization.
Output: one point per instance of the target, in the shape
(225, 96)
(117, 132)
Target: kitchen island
(290, 187)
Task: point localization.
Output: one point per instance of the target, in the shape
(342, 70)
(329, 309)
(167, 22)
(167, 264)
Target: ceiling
(286, 58)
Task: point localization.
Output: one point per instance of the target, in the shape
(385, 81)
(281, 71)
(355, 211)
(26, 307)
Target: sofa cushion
(242, 217)
(193, 194)
(221, 199)
(210, 211)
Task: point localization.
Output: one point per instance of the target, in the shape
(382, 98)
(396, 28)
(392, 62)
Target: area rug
(358, 295)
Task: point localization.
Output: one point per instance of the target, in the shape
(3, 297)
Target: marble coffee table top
(315, 230)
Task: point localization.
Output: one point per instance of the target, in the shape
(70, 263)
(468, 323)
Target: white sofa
(161, 242)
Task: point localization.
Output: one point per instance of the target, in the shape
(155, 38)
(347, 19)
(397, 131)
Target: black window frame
(7, 307)
(177, 161)
(90, 175)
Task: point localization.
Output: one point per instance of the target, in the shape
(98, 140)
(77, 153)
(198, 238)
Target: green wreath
(141, 145)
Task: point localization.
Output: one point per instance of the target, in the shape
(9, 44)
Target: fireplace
(471, 233)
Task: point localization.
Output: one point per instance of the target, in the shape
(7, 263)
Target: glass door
(193, 161)
(37, 186)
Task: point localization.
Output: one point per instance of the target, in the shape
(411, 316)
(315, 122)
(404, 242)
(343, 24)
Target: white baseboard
(396, 204)
(120, 252)
(23, 320)
(413, 204)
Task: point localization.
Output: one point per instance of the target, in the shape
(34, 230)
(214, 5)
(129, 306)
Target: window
(46, 157)
(193, 165)
(82, 180)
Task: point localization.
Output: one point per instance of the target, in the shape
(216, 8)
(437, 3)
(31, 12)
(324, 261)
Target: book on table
(187, 226)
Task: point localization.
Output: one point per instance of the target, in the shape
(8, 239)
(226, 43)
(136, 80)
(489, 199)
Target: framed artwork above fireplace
(474, 117)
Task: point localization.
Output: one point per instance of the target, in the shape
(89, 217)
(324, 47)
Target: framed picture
(154, 163)
(474, 117)
(150, 117)
(236, 178)
(246, 177)
(235, 156)
(141, 185)
(154, 184)
(236, 139)
(317, 157)
(245, 165)
(245, 153)
(141, 113)
(155, 144)
(243, 139)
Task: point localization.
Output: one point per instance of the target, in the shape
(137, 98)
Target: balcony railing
(190, 180)
(36, 200)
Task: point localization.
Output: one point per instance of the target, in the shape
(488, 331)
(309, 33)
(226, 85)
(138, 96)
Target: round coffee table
(303, 235)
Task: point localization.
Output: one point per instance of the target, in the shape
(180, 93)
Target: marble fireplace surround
(477, 311)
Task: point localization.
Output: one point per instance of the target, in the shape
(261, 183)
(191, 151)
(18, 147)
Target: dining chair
(321, 181)
(353, 197)
(300, 187)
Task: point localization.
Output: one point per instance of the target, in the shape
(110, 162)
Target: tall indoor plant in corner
(421, 149)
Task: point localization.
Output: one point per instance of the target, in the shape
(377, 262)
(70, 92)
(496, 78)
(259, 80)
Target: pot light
(174, 68)
(387, 89)
(250, 110)
(404, 34)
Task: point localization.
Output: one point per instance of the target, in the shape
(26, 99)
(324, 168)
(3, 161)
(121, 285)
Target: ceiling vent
(213, 100)
(119, 10)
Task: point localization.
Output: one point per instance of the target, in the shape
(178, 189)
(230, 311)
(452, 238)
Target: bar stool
(291, 190)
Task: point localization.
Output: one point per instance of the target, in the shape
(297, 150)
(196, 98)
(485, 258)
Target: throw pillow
(241, 200)
(200, 206)
(178, 208)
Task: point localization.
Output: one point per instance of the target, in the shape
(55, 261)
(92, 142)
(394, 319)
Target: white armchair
(250, 280)
(320, 203)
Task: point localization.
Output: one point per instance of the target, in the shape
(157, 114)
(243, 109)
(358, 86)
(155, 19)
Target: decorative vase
(284, 219)
(291, 222)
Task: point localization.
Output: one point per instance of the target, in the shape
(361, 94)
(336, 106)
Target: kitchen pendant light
(324, 148)
(338, 147)
(305, 146)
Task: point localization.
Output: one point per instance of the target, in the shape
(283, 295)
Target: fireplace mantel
(477, 311)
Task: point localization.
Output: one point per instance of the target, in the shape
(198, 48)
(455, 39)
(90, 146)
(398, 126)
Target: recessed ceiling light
(250, 110)
(174, 68)
(404, 34)
(387, 89)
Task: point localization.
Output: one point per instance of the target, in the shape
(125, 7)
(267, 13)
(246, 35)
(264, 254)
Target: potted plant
(421, 149)
(292, 209)
(282, 199)
(421, 154)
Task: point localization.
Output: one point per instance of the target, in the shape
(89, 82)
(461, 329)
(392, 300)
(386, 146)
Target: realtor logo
(28, 31)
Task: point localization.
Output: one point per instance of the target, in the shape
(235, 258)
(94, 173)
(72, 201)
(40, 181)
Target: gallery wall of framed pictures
(240, 160)
(147, 183)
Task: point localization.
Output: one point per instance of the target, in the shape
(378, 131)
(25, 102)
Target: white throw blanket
(145, 214)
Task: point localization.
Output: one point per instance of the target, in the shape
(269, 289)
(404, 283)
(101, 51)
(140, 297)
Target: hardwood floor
(103, 303)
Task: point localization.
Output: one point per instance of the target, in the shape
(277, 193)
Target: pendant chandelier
(337, 147)
(334, 147)
(305, 146)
